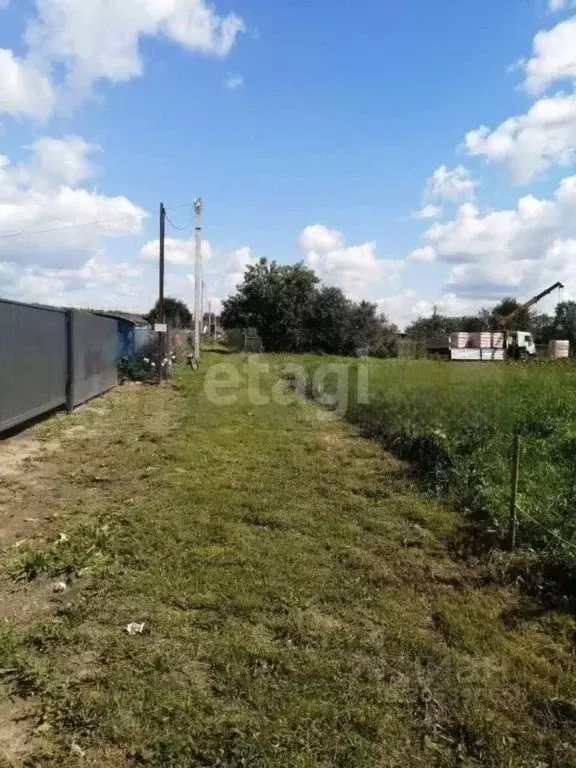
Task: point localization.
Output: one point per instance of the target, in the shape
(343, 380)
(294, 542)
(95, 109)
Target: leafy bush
(143, 365)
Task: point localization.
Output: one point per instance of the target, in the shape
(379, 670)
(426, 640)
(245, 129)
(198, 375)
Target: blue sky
(343, 121)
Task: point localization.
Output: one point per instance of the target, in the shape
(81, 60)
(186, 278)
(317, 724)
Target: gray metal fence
(51, 358)
(93, 352)
(33, 362)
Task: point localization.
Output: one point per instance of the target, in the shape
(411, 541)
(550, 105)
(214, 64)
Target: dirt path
(47, 472)
(299, 604)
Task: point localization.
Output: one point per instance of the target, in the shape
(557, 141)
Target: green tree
(277, 301)
(365, 327)
(522, 322)
(543, 328)
(329, 322)
(386, 344)
(429, 327)
(176, 313)
(564, 323)
(473, 323)
(292, 314)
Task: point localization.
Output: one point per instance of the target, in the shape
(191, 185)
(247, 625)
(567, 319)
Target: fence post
(70, 360)
(513, 524)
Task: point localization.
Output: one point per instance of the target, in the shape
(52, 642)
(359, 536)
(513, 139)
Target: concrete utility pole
(161, 315)
(209, 319)
(198, 209)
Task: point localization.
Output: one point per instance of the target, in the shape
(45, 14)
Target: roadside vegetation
(456, 424)
(299, 601)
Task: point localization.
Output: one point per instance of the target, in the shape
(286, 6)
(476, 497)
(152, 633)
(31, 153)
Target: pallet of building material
(559, 349)
(481, 340)
(459, 340)
(497, 341)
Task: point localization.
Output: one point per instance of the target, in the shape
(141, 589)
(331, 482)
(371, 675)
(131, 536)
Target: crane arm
(505, 320)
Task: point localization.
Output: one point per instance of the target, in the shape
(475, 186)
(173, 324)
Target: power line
(98, 222)
(186, 226)
(72, 226)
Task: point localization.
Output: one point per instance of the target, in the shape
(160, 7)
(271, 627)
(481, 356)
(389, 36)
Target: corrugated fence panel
(94, 350)
(32, 362)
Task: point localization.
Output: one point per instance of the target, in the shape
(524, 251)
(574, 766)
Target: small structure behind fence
(51, 358)
(134, 332)
(245, 340)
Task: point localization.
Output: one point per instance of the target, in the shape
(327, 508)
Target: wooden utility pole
(161, 314)
(198, 280)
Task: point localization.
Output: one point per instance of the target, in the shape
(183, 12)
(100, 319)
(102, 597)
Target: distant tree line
(561, 325)
(292, 312)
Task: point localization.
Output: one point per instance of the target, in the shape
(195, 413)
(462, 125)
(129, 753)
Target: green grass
(457, 422)
(301, 607)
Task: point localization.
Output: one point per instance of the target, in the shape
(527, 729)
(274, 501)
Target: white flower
(146, 360)
(153, 365)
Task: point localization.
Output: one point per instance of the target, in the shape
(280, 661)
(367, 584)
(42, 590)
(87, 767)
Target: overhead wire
(96, 223)
(175, 226)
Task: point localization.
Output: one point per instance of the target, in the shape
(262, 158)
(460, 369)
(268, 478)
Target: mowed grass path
(300, 605)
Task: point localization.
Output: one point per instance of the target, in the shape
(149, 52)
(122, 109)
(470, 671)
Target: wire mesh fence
(245, 340)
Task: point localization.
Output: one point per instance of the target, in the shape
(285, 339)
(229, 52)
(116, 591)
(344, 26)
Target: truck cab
(520, 345)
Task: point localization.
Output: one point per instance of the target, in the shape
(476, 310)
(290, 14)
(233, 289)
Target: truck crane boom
(504, 321)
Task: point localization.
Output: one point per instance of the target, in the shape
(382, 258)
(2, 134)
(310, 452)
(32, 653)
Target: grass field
(457, 422)
(300, 604)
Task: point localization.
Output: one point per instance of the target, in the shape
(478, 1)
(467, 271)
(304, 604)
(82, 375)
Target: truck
(483, 346)
(489, 345)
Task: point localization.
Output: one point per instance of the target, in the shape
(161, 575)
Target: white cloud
(93, 40)
(317, 237)
(517, 251)
(176, 251)
(70, 266)
(39, 196)
(425, 254)
(524, 232)
(495, 278)
(235, 267)
(554, 57)
(450, 185)
(560, 5)
(405, 307)
(25, 89)
(529, 144)
(62, 161)
(428, 212)
(99, 282)
(352, 268)
(232, 82)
